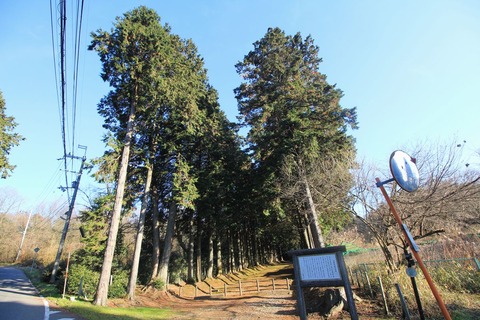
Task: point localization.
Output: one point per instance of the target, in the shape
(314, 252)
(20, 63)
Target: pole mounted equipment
(75, 185)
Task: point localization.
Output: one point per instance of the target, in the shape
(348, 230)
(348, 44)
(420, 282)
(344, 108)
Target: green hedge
(117, 289)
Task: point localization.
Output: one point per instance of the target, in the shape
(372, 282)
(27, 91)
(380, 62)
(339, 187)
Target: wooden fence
(239, 288)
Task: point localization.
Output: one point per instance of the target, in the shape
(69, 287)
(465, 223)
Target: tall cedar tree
(158, 82)
(291, 111)
(131, 55)
(182, 126)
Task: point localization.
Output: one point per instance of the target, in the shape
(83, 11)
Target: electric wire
(63, 87)
(68, 114)
(49, 219)
(55, 177)
(52, 28)
(59, 17)
(78, 32)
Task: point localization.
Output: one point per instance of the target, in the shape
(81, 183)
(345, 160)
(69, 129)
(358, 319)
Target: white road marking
(47, 309)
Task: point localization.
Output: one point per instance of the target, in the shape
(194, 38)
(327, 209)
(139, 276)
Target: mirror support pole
(381, 183)
(435, 292)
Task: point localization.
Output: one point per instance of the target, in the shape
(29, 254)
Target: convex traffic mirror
(404, 171)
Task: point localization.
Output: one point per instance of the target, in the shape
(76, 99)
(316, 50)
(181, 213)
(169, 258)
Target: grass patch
(87, 310)
(92, 312)
(463, 315)
(354, 249)
(46, 289)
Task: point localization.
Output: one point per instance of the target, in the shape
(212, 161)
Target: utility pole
(23, 237)
(76, 185)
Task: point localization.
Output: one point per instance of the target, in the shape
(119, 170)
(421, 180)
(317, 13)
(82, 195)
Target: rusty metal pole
(435, 292)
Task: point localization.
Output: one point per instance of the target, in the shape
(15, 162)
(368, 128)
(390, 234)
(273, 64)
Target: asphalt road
(19, 300)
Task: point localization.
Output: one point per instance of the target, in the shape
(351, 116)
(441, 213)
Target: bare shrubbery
(457, 279)
(43, 232)
(446, 203)
(444, 218)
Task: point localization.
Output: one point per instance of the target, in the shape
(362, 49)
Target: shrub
(90, 278)
(118, 288)
(59, 276)
(158, 284)
(77, 273)
(177, 267)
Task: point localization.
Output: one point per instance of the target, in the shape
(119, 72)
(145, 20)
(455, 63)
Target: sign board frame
(323, 267)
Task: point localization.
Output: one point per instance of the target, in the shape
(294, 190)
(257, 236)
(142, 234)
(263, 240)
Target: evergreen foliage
(215, 204)
(295, 120)
(95, 230)
(81, 276)
(8, 139)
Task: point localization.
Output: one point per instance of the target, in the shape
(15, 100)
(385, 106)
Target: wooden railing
(239, 288)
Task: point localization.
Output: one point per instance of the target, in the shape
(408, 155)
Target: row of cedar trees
(229, 202)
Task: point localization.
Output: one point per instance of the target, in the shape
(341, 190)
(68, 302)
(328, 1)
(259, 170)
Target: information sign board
(323, 267)
(319, 267)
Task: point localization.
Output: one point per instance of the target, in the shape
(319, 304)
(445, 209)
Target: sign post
(323, 267)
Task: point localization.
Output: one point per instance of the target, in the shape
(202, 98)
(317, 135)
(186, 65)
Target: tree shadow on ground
(285, 272)
(463, 313)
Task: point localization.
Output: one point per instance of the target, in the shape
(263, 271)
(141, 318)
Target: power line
(63, 82)
(52, 28)
(48, 220)
(67, 114)
(78, 32)
(51, 184)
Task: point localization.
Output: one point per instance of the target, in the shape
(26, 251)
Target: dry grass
(456, 282)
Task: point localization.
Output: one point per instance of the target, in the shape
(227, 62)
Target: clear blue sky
(412, 69)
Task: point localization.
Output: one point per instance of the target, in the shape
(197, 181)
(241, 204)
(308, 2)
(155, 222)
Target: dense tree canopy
(295, 119)
(208, 203)
(168, 118)
(226, 205)
(135, 70)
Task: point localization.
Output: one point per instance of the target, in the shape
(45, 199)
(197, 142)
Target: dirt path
(280, 306)
(252, 307)
(198, 304)
(268, 304)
